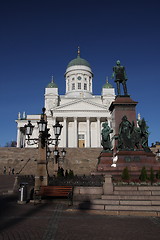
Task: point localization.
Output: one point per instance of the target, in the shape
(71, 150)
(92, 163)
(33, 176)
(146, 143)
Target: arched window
(73, 86)
(85, 86)
(79, 85)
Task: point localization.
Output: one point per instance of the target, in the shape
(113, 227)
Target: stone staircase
(130, 200)
(6, 184)
(82, 160)
(23, 160)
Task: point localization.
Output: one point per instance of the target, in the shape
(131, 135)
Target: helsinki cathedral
(80, 112)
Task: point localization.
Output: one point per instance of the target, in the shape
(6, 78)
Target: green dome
(107, 85)
(52, 85)
(78, 61)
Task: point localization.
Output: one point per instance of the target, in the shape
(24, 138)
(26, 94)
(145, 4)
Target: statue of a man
(106, 141)
(124, 137)
(120, 77)
(144, 134)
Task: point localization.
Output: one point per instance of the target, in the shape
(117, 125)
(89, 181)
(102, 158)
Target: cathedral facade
(79, 111)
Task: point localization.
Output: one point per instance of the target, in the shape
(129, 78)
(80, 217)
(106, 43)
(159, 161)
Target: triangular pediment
(81, 105)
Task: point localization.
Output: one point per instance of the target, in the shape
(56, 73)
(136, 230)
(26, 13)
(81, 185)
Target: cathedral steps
(143, 201)
(6, 184)
(23, 160)
(82, 160)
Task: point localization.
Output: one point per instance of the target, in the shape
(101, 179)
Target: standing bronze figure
(120, 77)
(106, 141)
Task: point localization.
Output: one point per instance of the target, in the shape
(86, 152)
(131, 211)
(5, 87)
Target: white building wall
(85, 119)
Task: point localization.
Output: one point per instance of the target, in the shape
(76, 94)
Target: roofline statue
(120, 76)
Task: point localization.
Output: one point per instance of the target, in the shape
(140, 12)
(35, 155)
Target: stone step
(131, 197)
(135, 188)
(136, 193)
(132, 208)
(125, 208)
(6, 183)
(127, 202)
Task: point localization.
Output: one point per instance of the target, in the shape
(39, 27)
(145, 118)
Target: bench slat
(55, 190)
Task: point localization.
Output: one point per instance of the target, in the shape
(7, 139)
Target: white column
(18, 136)
(98, 132)
(88, 142)
(75, 132)
(64, 132)
(54, 122)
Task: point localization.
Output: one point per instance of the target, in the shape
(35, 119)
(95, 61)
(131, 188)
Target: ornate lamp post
(41, 177)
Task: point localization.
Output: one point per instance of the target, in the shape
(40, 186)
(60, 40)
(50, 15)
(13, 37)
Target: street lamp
(43, 132)
(29, 128)
(43, 141)
(63, 152)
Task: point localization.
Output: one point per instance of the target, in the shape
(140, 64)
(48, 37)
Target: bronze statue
(131, 137)
(120, 77)
(106, 141)
(125, 132)
(144, 134)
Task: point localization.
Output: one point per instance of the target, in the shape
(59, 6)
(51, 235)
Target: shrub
(151, 177)
(70, 174)
(60, 172)
(125, 174)
(158, 174)
(143, 176)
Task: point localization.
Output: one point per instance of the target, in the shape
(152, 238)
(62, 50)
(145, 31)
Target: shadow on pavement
(11, 213)
(85, 205)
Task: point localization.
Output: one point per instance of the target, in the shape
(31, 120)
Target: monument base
(105, 161)
(133, 160)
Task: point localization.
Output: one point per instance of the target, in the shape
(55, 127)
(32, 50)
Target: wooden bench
(55, 191)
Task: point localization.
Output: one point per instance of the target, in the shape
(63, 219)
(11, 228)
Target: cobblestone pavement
(55, 221)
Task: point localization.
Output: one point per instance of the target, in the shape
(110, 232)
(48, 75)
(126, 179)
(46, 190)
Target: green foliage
(11, 144)
(143, 176)
(60, 172)
(158, 174)
(70, 174)
(66, 173)
(125, 174)
(151, 177)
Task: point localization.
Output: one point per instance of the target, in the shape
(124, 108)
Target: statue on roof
(120, 77)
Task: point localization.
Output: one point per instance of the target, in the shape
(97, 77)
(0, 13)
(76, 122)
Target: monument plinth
(123, 105)
(130, 135)
(105, 161)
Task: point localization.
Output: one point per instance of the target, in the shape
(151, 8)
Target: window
(79, 85)
(73, 86)
(81, 136)
(85, 86)
(68, 87)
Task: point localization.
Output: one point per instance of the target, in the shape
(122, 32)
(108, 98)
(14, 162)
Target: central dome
(78, 61)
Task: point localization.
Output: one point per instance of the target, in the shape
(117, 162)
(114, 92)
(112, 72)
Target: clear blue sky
(39, 37)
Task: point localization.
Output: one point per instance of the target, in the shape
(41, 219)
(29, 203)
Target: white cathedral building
(79, 111)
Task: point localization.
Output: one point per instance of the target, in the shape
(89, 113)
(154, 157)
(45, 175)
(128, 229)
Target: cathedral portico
(80, 131)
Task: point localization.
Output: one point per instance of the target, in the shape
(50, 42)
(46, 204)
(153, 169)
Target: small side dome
(52, 84)
(107, 84)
